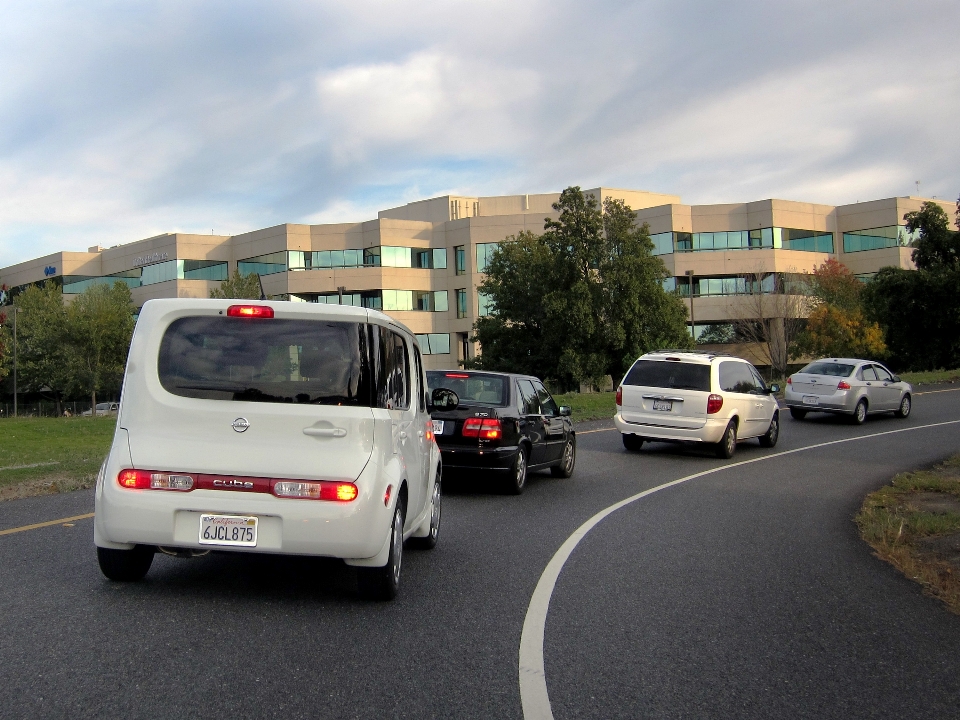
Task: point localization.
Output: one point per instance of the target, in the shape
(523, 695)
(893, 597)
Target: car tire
(125, 565)
(769, 440)
(518, 472)
(728, 443)
(797, 413)
(860, 413)
(632, 442)
(436, 501)
(567, 460)
(382, 583)
(905, 406)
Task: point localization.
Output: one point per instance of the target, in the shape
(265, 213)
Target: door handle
(324, 432)
(403, 434)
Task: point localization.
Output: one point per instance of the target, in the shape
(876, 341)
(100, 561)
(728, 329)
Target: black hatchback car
(504, 423)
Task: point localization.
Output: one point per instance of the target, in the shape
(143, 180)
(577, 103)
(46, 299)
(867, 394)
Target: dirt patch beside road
(914, 524)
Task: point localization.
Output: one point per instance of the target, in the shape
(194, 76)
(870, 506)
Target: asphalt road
(743, 593)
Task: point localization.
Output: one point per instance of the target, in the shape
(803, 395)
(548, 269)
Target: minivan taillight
(714, 403)
(250, 311)
(843, 385)
(620, 395)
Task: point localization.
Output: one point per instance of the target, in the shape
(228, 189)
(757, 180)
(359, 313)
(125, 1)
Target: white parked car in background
(103, 409)
(680, 396)
(270, 427)
(847, 386)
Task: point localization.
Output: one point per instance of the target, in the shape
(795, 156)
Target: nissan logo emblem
(240, 424)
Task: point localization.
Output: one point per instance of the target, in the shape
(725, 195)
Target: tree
(99, 328)
(6, 336)
(41, 339)
(580, 301)
(241, 287)
(772, 315)
(937, 247)
(836, 326)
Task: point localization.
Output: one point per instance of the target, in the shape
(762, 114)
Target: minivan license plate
(663, 405)
(437, 427)
(236, 530)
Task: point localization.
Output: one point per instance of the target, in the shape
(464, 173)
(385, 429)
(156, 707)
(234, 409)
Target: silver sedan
(847, 386)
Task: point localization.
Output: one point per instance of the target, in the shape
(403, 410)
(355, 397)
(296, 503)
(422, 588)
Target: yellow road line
(587, 432)
(933, 392)
(45, 524)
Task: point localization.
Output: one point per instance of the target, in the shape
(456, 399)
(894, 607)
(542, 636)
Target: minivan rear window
(669, 374)
(252, 360)
(472, 388)
(829, 368)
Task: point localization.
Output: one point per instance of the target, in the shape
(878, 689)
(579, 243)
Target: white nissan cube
(271, 427)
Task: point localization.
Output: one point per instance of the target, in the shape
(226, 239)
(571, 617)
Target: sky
(122, 120)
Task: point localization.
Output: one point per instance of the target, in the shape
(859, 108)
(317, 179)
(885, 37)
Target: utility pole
(693, 326)
(340, 291)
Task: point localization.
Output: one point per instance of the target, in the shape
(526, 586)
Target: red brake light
(462, 376)
(471, 427)
(429, 429)
(250, 311)
(714, 403)
(620, 395)
(491, 429)
(316, 490)
(843, 385)
(149, 480)
(789, 381)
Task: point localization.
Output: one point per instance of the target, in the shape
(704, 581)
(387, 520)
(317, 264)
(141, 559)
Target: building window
(877, 238)
(263, 264)
(485, 304)
(772, 237)
(434, 343)
(662, 243)
(460, 257)
(461, 303)
(183, 270)
(485, 252)
(387, 300)
(791, 283)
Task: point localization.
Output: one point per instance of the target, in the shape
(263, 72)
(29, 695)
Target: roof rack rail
(674, 351)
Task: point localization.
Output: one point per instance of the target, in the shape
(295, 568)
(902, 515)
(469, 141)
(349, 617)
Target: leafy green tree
(241, 287)
(41, 339)
(99, 326)
(580, 301)
(937, 247)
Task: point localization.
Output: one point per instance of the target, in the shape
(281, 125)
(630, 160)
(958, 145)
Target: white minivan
(270, 427)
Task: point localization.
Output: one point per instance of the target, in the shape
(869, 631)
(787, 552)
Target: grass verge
(932, 376)
(914, 524)
(39, 456)
(589, 406)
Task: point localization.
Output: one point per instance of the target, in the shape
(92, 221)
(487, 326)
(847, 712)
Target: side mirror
(443, 399)
(896, 378)
(565, 411)
(774, 389)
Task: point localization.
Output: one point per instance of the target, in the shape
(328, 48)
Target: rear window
(282, 361)
(472, 388)
(829, 368)
(669, 374)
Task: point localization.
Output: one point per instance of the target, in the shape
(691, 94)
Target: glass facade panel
(460, 257)
(440, 301)
(485, 304)
(201, 270)
(261, 264)
(876, 238)
(662, 243)
(159, 272)
(807, 240)
(440, 259)
(484, 252)
(434, 343)
(793, 283)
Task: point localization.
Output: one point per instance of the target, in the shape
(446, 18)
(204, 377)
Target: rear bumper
(842, 401)
(710, 432)
(470, 458)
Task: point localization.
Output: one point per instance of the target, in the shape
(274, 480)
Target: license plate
(666, 405)
(237, 530)
(811, 400)
(437, 427)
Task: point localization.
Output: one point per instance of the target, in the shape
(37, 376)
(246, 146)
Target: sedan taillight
(843, 385)
(483, 428)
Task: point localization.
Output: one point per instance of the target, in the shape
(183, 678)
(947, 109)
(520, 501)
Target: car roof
(853, 361)
(692, 356)
(485, 372)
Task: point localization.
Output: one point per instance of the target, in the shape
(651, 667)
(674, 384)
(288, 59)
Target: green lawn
(932, 376)
(589, 406)
(65, 453)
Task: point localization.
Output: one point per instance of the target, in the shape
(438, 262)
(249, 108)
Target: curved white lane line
(533, 684)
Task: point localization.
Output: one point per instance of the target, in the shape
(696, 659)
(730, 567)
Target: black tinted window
(669, 374)
(547, 404)
(393, 365)
(472, 388)
(286, 361)
(829, 368)
(531, 403)
(736, 377)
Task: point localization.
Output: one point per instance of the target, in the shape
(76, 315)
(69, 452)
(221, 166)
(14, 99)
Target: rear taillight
(146, 480)
(250, 311)
(789, 381)
(323, 490)
(714, 403)
(483, 428)
(429, 430)
(843, 385)
(620, 395)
